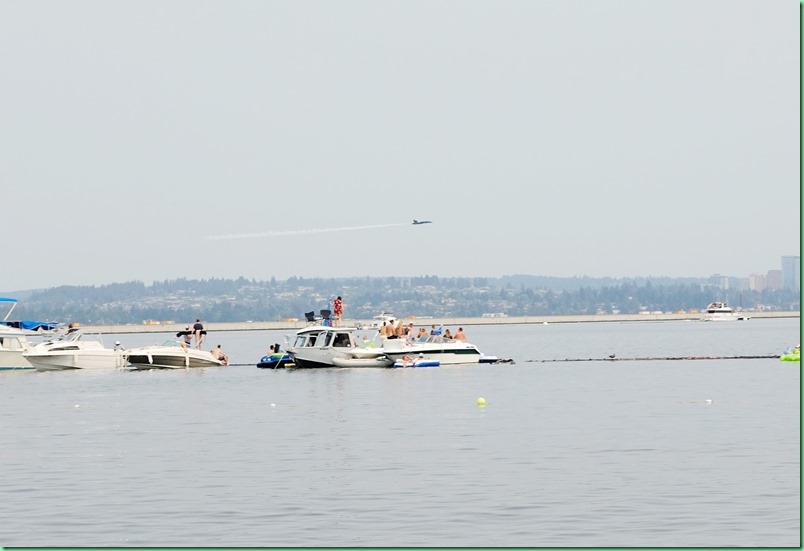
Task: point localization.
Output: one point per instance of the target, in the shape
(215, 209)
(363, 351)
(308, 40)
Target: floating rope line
(665, 358)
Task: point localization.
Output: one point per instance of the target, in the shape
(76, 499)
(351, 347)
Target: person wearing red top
(337, 306)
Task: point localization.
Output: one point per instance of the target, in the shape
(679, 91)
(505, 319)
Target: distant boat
(417, 222)
(720, 311)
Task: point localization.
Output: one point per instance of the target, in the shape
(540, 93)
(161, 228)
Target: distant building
(720, 281)
(773, 280)
(757, 282)
(791, 272)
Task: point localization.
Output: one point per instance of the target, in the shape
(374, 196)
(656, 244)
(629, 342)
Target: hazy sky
(153, 140)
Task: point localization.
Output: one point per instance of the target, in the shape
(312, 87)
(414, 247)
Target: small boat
(378, 320)
(435, 347)
(71, 352)
(276, 360)
(169, 355)
(720, 311)
(792, 354)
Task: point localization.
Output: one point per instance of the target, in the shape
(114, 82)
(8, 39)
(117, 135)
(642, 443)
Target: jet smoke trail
(302, 232)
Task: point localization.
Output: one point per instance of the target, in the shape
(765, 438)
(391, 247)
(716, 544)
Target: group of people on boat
(196, 334)
(194, 338)
(398, 330)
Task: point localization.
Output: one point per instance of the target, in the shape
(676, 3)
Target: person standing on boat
(460, 335)
(198, 329)
(337, 306)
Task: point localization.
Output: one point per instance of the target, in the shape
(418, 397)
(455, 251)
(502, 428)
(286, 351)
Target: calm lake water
(564, 453)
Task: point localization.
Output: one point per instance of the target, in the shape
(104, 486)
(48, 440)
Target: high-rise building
(791, 272)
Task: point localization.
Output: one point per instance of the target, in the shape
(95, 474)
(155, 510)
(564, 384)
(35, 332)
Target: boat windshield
(307, 340)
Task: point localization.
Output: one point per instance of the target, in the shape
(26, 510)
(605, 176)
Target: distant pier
(290, 325)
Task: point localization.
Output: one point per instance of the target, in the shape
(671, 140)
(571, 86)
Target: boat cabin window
(308, 340)
(342, 340)
(11, 343)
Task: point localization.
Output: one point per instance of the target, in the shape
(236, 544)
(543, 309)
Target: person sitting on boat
(218, 353)
(460, 335)
(447, 335)
(422, 333)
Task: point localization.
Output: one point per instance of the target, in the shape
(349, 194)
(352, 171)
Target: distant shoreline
(420, 322)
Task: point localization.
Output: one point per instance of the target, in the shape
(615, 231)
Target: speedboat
(71, 352)
(720, 311)
(326, 346)
(169, 355)
(433, 347)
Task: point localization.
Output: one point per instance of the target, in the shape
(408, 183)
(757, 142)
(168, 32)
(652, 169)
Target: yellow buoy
(481, 401)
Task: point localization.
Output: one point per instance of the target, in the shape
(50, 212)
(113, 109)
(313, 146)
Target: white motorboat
(13, 345)
(378, 320)
(72, 352)
(720, 311)
(433, 347)
(325, 346)
(169, 355)
(13, 340)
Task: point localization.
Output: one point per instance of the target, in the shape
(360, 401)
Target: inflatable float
(417, 363)
(273, 361)
(792, 354)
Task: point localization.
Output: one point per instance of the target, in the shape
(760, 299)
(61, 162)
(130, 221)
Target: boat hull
(169, 357)
(446, 352)
(381, 361)
(13, 360)
(95, 360)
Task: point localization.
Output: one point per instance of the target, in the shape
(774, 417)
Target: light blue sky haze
(550, 137)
